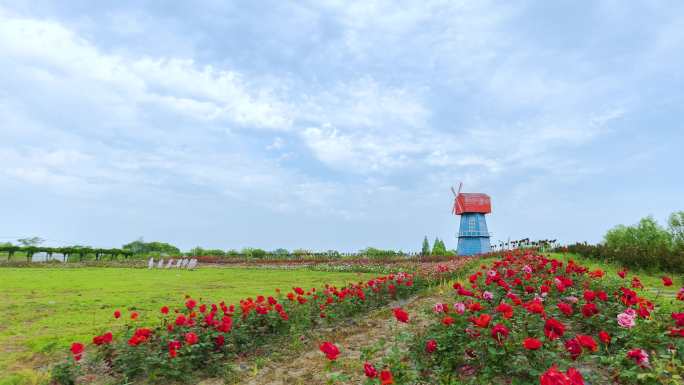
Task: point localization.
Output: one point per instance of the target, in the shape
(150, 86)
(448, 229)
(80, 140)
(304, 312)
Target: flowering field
(527, 319)
(44, 310)
(198, 339)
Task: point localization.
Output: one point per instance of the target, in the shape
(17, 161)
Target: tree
(139, 246)
(438, 248)
(426, 246)
(676, 228)
(31, 241)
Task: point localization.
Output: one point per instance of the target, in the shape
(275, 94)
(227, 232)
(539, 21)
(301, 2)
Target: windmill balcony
(474, 234)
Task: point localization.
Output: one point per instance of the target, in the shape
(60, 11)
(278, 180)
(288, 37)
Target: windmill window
(471, 224)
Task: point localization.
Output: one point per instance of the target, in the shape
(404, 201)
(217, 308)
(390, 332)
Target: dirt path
(308, 365)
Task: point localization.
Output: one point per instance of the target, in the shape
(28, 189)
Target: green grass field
(45, 309)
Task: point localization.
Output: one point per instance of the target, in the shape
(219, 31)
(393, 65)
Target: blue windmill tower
(473, 236)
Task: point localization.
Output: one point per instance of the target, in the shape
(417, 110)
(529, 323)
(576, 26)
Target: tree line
(645, 245)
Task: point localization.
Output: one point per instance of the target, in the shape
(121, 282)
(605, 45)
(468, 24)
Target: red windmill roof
(472, 203)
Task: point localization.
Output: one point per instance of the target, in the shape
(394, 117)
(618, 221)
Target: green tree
(644, 245)
(31, 241)
(438, 247)
(426, 247)
(676, 228)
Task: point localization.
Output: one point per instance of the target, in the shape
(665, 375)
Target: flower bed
(530, 319)
(201, 339)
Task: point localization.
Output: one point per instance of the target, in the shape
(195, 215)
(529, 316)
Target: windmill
(473, 237)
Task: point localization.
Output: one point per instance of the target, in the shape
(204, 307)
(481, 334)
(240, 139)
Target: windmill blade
(453, 191)
(460, 186)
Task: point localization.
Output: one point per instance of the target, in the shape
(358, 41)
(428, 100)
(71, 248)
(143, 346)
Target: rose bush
(202, 338)
(527, 318)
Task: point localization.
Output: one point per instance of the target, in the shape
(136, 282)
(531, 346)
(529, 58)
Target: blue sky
(336, 124)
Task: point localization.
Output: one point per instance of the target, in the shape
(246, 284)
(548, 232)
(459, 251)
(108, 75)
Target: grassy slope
(44, 310)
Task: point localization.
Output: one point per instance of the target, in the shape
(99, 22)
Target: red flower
(117, 314)
(604, 337)
(386, 377)
(505, 309)
(532, 343)
(589, 310)
(103, 339)
(165, 310)
(636, 283)
(431, 346)
(141, 335)
(370, 370)
(574, 376)
(330, 350)
(602, 295)
(587, 342)
(134, 315)
(553, 329)
(220, 340)
(401, 315)
(181, 320)
(667, 281)
(190, 304)
(622, 273)
(191, 338)
(447, 320)
(589, 295)
(679, 318)
(173, 348)
(482, 321)
(639, 356)
(573, 347)
(565, 308)
(555, 377)
(499, 333)
(535, 306)
(77, 350)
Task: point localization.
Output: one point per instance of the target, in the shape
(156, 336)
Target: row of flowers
(527, 318)
(202, 338)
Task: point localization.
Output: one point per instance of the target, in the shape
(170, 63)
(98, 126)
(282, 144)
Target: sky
(336, 124)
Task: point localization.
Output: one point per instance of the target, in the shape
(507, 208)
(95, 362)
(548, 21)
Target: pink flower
(626, 320)
(438, 308)
(487, 295)
(459, 307)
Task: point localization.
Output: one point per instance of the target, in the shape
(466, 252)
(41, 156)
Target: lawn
(45, 309)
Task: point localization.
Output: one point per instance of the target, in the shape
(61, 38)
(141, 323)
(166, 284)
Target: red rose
(622, 273)
(330, 350)
(574, 376)
(667, 281)
(370, 370)
(482, 321)
(604, 337)
(565, 308)
(117, 314)
(589, 310)
(77, 350)
(190, 304)
(505, 309)
(532, 343)
(573, 347)
(386, 377)
(401, 315)
(134, 315)
(587, 342)
(165, 310)
(553, 329)
(447, 320)
(589, 295)
(499, 333)
(191, 338)
(678, 318)
(103, 339)
(431, 346)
